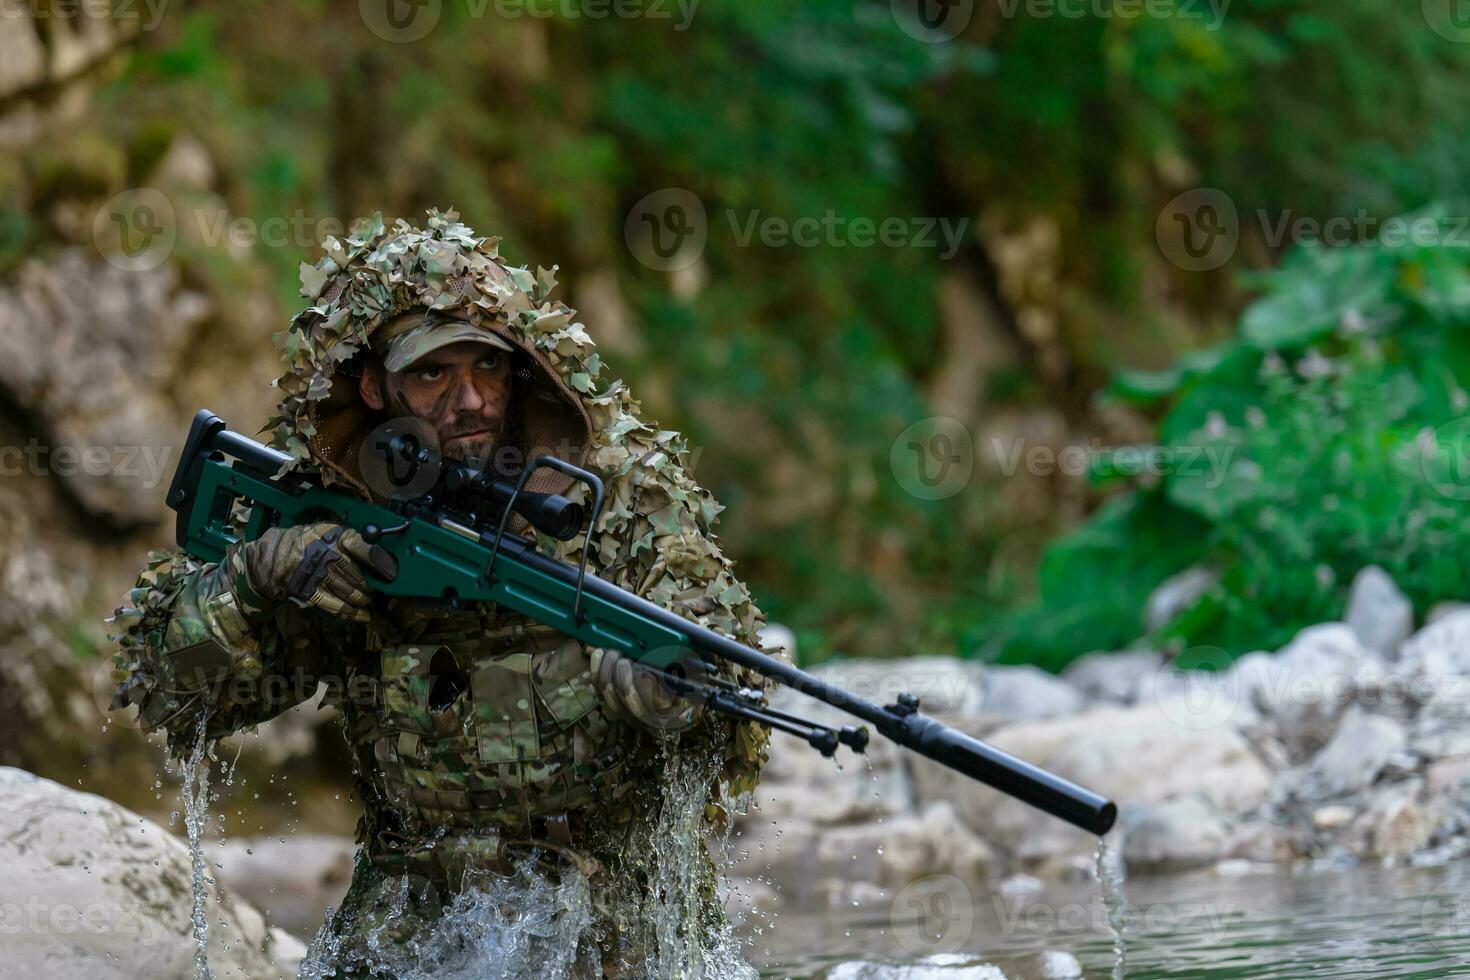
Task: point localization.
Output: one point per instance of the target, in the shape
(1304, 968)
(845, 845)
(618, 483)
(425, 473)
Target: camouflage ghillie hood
(374, 275)
(655, 533)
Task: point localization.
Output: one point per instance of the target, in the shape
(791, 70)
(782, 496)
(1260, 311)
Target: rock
(1136, 755)
(1176, 594)
(1440, 610)
(1306, 686)
(106, 894)
(1441, 728)
(1175, 836)
(804, 860)
(1356, 754)
(1448, 777)
(1055, 964)
(750, 900)
(1332, 817)
(91, 351)
(943, 685)
(286, 951)
(22, 55)
(1378, 612)
(1020, 888)
(799, 782)
(1026, 693)
(1113, 677)
(841, 893)
(940, 966)
(1240, 867)
(186, 164)
(905, 849)
(1401, 826)
(291, 881)
(1441, 649)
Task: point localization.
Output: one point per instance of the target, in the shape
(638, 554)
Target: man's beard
(479, 450)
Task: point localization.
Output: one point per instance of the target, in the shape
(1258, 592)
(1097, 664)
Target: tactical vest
(481, 720)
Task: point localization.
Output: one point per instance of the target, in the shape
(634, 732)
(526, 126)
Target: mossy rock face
(83, 165)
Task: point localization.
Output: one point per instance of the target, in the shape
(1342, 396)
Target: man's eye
(429, 374)
(491, 360)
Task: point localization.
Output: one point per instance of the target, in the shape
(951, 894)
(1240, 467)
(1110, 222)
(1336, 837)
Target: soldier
(482, 740)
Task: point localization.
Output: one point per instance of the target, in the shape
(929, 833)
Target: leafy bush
(1331, 433)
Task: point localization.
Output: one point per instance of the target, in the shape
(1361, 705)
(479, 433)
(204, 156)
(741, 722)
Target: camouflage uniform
(476, 731)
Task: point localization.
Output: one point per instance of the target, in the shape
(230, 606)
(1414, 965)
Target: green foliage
(794, 369)
(1330, 434)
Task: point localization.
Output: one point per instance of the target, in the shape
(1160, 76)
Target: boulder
(97, 891)
(1440, 610)
(291, 880)
(1378, 612)
(1176, 594)
(940, 966)
(1306, 686)
(1056, 964)
(1113, 677)
(1442, 649)
(806, 861)
(1356, 755)
(1136, 755)
(943, 685)
(1175, 836)
(22, 55)
(800, 782)
(1026, 693)
(91, 350)
(1400, 824)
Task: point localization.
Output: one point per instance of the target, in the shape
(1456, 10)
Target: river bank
(1348, 746)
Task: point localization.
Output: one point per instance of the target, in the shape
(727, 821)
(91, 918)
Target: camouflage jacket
(474, 719)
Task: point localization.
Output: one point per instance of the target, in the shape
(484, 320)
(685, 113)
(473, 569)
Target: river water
(1258, 922)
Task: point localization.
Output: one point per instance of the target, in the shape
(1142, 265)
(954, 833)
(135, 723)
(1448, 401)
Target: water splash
(659, 903)
(1108, 870)
(195, 791)
(498, 927)
(692, 937)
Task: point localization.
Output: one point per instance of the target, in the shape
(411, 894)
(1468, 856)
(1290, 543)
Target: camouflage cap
(410, 336)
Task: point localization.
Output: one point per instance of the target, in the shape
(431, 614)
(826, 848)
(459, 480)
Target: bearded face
(463, 390)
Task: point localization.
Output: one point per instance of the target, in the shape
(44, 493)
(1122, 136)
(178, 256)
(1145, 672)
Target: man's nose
(467, 398)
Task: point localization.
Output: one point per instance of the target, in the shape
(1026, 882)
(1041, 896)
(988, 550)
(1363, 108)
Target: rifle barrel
(933, 739)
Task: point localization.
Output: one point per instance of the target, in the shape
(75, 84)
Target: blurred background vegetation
(1071, 314)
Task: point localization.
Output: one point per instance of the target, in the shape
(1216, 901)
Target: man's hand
(319, 565)
(630, 691)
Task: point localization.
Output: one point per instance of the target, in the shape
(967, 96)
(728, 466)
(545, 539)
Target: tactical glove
(313, 565)
(629, 691)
